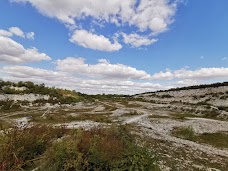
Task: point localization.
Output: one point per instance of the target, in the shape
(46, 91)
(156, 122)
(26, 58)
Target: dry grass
(103, 118)
(219, 139)
(20, 148)
(98, 149)
(134, 113)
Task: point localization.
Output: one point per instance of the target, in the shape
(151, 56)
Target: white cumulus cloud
(5, 33)
(154, 16)
(200, 74)
(93, 41)
(85, 85)
(30, 35)
(16, 31)
(136, 40)
(103, 69)
(13, 52)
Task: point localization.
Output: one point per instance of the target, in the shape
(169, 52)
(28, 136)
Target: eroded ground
(181, 140)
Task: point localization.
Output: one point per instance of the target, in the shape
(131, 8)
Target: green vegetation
(219, 139)
(98, 149)
(57, 149)
(28, 87)
(183, 116)
(166, 96)
(103, 118)
(21, 148)
(9, 105)
(57, 95)
(225, 108)
(134, 113)
(185, 133)
(4, 124)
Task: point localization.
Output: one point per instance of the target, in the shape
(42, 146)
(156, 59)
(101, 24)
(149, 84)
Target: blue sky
(118, 46)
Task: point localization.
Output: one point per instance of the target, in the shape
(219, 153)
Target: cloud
(103, 77)
(28, 72)
(155, 15)
(138, 16)
(5, 33)
(93, 41)
(102, 70)
(224, 59)
(186, 82)
(136, 40)
(12, 52)
(18, 32)
(168, 75)
(85, 85)
(30, 35)
(200, 74)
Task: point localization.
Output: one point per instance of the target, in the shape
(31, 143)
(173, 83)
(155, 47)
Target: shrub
(184, 132)
(98, 149)
(166, 96)
(9, 105)
(19, 148)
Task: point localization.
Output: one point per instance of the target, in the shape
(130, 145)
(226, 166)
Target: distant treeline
(214, 85)
(8, 87)
(56, 94)
(28, 87)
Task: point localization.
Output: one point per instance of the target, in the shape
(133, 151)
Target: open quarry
(186, 129)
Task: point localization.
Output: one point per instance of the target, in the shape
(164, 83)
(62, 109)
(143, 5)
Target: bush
(184, 132)
(9, 105)
(97, 149)
(19, 148)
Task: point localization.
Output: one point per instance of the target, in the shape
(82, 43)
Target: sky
(114, 46)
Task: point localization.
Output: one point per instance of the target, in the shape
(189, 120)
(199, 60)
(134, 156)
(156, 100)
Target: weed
(134, 113)
(184, 132)
(219, 139)
(19, 148)
(98, 149)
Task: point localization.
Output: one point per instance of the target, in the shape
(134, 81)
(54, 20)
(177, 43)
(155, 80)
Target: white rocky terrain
(215, 96)
(154, 118)
(23, 97)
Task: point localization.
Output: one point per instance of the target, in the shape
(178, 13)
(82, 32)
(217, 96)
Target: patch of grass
(166, 96)
(159, 116)
(4, 124)
(61, 116)
(48, 119)
(104, 118)
(98, 149)
(134, 113)
(219, 139)
(225, 108)
(184, 132)
(203, 103)
(20, 148)
(212, 115)
(204, 114)
(19, 115)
